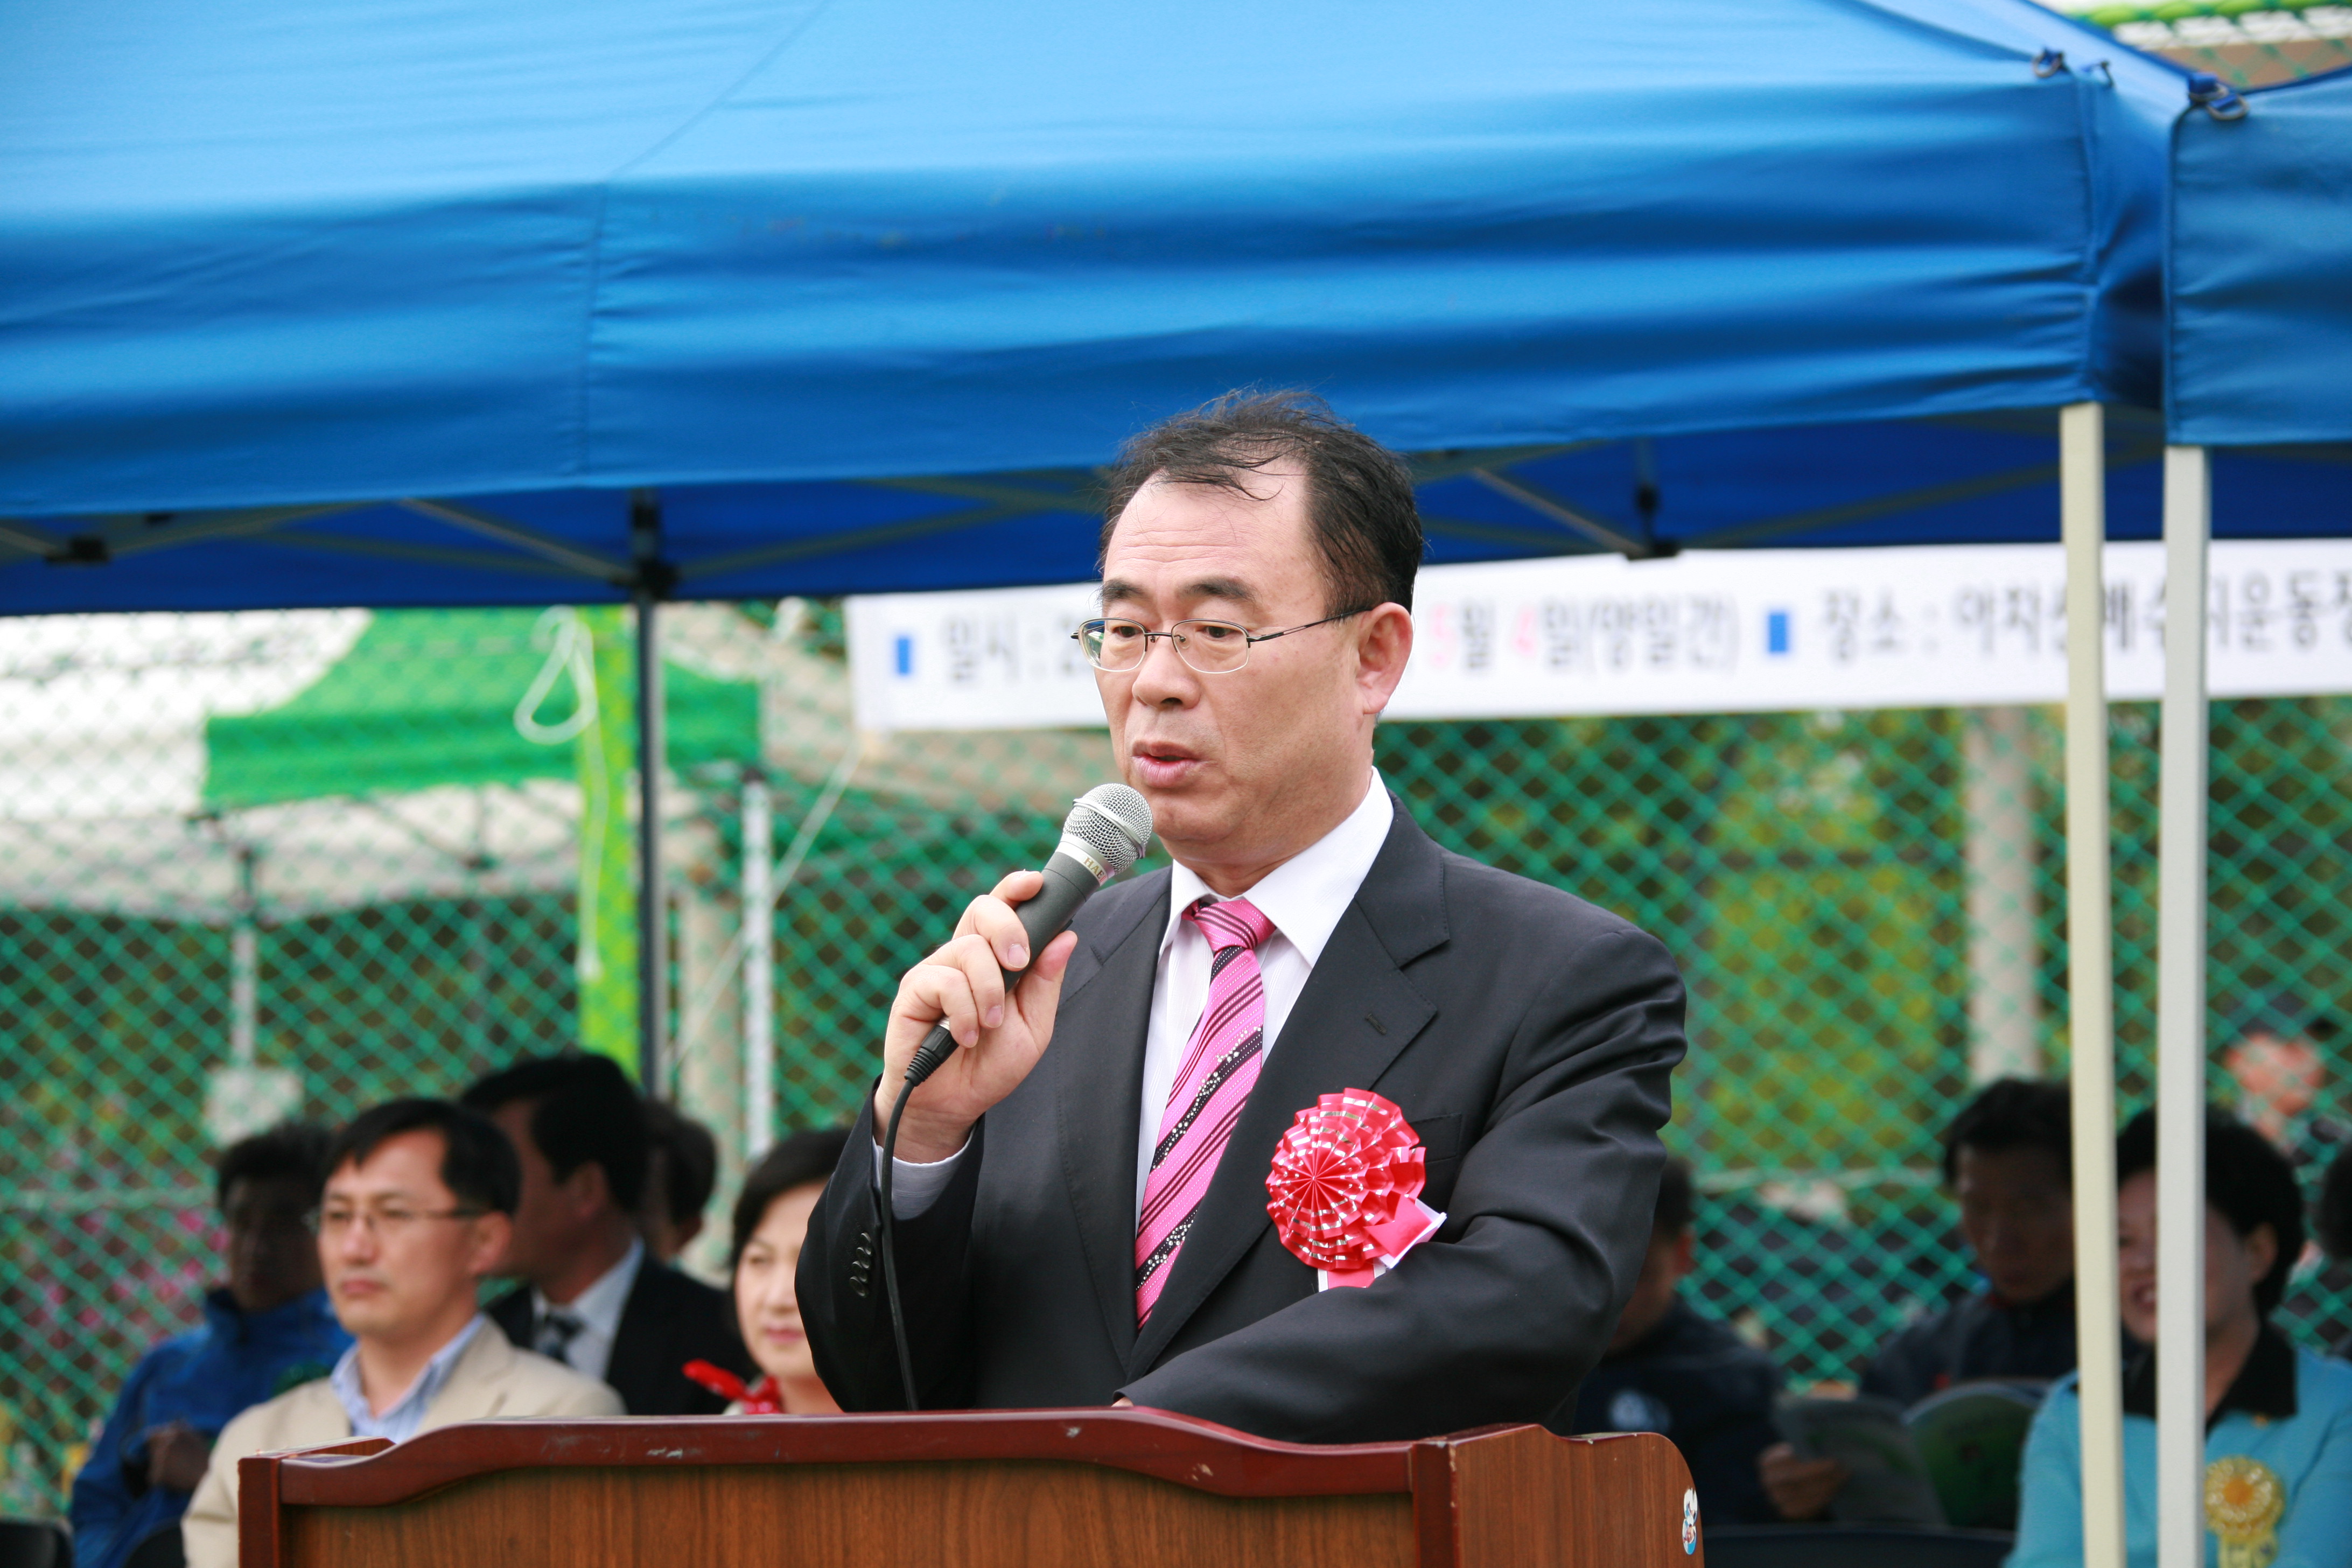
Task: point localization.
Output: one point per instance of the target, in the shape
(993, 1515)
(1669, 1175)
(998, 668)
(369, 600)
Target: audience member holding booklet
(417, 1211)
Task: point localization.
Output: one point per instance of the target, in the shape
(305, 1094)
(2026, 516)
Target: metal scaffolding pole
(2090, 946)
(653, 960)
(758, 967)
(2180, 1023)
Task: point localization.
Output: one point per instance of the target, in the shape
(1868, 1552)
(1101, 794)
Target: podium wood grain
(1134, 1487)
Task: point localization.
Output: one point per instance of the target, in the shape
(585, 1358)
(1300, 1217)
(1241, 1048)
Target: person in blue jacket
(2278, 1420)
(267, 1328)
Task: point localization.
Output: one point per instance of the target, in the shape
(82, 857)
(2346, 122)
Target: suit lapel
(639, 1339)
(1356, 1014)
(476, 1388)
(1098, 1059)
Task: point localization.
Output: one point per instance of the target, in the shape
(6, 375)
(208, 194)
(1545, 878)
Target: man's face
(2280, 1078)
(1246, 768)
(2017, 1210)
(1671, 1257)
(271, 1255)
(545, 1229)
(400, 1253)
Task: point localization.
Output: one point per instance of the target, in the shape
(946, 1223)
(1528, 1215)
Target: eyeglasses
(1211, 648)
(383, 1221)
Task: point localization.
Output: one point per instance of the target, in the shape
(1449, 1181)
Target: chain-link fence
(256, 865)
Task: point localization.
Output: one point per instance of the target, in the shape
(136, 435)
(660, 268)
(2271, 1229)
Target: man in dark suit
(592, 1297)
(1088, 1223)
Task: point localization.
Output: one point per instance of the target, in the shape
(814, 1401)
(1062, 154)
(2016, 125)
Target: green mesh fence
(256, 865)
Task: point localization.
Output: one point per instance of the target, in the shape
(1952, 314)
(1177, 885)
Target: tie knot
(1232, 922)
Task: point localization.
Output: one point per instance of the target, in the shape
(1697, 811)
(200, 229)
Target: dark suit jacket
(668, 1319)
(1527, 1037)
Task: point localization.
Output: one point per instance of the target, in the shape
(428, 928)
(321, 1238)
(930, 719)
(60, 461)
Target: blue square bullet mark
(1776, 631)
(902, 655)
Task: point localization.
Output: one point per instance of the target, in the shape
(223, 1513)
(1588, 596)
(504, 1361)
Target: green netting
(1869, 908)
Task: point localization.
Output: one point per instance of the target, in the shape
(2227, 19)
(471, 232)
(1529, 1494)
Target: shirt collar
(599, 1307)
(1306, 894)
(345, 1381)
(2264, 1388)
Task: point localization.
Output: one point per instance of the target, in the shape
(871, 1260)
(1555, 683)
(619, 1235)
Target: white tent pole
(759, 904)
(2082, 486)
(2180, 1023)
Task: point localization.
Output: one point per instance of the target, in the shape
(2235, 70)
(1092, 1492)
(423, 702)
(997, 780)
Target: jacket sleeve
(208, 1530)
(108, 1516)
(840, 1284)
(1499, 1317)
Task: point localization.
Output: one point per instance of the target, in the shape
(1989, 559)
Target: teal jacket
(2290, 1409)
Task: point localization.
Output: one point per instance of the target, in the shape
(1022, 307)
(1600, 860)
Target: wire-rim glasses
(1116, 645)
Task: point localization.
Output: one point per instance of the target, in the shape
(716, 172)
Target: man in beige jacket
(417, 1210)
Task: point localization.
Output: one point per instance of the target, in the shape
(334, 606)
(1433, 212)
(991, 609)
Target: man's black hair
(1359, 497)
(292, 1152)
(2332, 1220)
(584, 1110)
(689, 1160)
(1672, 1214)
(2247, 1180)
(803, 1158)
(2012, 1113)
(477, 1164)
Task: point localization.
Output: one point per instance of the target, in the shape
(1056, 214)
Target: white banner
(1704, 632)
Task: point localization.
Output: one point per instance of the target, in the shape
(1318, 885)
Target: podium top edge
(1198, 1454)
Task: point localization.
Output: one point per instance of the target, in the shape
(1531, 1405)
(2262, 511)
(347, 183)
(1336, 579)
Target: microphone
(1108, 829)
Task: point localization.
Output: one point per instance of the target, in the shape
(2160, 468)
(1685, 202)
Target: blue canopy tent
(375, 305)
(2258, 253)
(414, 308)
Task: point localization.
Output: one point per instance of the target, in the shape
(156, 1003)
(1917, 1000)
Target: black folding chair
(1854, 1546)
(35, 1543)
(160, 1549)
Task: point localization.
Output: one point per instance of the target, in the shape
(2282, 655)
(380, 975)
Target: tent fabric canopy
(807, 270)
(2259, 254)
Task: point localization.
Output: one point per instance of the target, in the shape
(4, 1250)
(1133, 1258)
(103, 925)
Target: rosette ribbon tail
(1414, 1223)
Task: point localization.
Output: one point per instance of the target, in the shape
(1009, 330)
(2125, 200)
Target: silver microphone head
(1109, 828)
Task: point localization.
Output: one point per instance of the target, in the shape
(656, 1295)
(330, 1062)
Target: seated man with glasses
(417, 1210)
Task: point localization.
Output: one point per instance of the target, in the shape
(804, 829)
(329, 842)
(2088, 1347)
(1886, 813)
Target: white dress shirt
(598, 1307)
(1304, 897)
(398, 1423)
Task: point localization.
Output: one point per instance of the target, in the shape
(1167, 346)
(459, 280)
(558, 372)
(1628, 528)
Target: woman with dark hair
(2278, 1420)
(772, 1215)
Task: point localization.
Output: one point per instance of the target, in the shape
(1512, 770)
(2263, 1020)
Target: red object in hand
(761, 1398)
(1345, 1190)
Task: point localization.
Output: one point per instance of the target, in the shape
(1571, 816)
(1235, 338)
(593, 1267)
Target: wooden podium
(1042, 1489)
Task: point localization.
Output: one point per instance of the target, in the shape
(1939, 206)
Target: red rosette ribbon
(761, 1398)
(1345, 1190)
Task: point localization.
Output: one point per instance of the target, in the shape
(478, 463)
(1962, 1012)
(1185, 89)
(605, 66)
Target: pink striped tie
(1219, 1065)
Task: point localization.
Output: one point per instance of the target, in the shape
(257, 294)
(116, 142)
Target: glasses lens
(1213, 648)
(1113, 644)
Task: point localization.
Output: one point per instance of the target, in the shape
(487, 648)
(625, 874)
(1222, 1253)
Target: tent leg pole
(2180, 1022)
(653, 966)
(2082, 483)
(758, 967)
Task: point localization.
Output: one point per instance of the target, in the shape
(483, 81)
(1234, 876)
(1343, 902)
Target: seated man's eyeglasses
(1211, 648)
(382, 1220)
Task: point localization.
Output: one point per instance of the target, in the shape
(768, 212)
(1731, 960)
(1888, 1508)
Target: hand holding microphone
(976, 1015)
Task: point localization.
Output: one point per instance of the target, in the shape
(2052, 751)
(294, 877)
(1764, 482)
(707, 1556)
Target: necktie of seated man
(556, 1330)
(1219, 1066)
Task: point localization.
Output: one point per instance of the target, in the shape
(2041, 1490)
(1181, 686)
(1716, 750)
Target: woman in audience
(2278, 1432)
(771, 1218)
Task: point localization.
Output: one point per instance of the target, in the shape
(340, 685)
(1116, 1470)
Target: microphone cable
(1108, 829)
